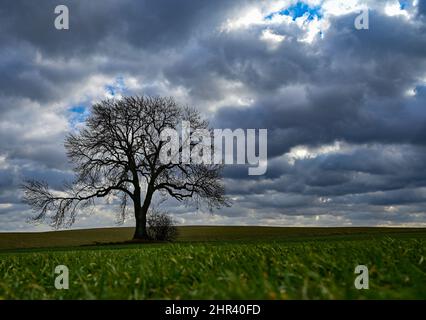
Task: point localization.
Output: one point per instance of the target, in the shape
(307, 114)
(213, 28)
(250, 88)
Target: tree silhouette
(117, 152)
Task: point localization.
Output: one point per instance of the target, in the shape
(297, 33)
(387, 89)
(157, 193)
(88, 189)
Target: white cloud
(248, 17)
(3, 164)
(394, 9)
(271, 38)
(5, 205)
(342, 7)
(304, 152)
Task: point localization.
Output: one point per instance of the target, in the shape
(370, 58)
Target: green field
(216, 263)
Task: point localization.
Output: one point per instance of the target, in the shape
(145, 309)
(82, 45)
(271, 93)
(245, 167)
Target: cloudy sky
(345, 109)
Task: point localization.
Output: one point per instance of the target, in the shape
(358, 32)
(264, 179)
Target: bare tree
(117, 152)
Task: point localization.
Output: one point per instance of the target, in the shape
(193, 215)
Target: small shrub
(161, 226)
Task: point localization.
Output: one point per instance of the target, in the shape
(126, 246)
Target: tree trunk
(140, 215)
(140, 230)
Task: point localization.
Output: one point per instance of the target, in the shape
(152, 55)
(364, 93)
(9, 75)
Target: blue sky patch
(79, 114)
(299, 10)
(78, 109)
(118, 87)
(403, 4)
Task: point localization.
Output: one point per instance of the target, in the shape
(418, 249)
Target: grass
(220, 263)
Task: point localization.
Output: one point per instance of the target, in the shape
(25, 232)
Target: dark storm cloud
(241, 56)
(422, 8)
(357, 170)
(336, 113)
(354, 91)
(114, 30)
(351, 87)
(95, 25)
